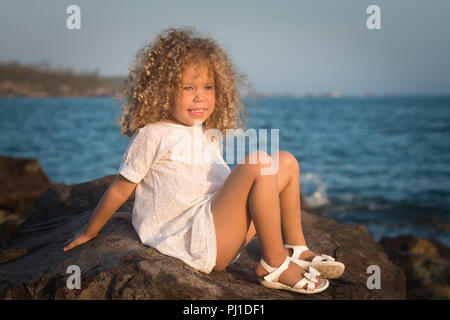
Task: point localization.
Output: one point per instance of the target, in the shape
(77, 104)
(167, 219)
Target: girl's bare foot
(290, 276)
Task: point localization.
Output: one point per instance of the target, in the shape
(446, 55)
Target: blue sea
(383, 162)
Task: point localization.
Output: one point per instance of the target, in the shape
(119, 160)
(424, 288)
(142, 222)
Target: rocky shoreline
(22, 181)
(116, 265)
(42, 81)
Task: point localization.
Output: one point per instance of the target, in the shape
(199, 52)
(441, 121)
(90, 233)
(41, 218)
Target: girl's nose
(198, 97)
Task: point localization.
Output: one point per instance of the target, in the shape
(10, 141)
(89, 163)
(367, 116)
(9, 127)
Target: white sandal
(327, 266)
(309, 278)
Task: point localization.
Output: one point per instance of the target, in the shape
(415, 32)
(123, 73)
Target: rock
(426, 263)
(9, 223)
(116, 265)
(434, 223)
(22, 181)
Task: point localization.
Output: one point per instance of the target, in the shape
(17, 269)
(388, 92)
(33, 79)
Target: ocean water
(383, 162)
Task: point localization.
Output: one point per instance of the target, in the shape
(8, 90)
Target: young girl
(203, 213)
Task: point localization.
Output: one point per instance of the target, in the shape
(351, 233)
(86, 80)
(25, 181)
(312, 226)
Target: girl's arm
(119, 192)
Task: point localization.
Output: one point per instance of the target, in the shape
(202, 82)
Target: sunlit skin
(197, 91)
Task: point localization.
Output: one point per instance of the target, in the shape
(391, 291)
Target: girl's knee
(258, 161)
(256, 158)
(287, 160)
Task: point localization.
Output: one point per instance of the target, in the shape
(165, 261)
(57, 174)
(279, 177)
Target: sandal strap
(274, 273)
(302, 282)
(298, 250)
(266, 266)
(308, 278)
(314, 272)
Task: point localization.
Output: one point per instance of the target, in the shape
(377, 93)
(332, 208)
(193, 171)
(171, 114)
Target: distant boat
(334, 94)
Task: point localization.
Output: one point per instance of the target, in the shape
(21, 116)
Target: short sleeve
(138, 156)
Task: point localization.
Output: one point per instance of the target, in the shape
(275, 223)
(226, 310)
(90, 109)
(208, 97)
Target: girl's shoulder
(150, 131)
(157, 130)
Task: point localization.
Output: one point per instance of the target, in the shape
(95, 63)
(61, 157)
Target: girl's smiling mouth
(197, 111)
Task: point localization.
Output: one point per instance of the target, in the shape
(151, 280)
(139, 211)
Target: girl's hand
(114, 197)
(79, 240)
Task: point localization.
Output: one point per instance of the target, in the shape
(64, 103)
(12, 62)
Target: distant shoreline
(40, 81)
(19, 80)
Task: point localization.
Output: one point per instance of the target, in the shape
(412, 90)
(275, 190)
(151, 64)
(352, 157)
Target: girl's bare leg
(289, 193)
(247, 195)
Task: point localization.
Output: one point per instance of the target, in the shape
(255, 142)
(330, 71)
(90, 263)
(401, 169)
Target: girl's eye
(189, 88)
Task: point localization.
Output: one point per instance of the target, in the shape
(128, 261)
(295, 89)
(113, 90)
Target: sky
(284, 47)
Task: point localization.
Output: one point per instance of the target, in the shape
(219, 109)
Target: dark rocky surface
(426, 263)
(116, 265)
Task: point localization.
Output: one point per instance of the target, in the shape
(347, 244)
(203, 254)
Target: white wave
(315, 195)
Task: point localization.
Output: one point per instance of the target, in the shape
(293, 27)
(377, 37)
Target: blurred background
(365, 112)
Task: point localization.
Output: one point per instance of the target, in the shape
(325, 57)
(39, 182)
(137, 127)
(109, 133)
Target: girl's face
(196, 99)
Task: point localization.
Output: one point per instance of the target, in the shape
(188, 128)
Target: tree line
(41, 80)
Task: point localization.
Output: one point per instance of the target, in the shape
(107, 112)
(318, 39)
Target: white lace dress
(178, 169)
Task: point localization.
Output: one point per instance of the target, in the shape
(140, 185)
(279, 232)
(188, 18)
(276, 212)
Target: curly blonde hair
(155, 76)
